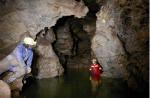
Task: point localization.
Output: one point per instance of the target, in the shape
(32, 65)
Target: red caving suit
(96, 71)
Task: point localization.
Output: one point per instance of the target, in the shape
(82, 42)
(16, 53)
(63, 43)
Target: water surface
(76, 84)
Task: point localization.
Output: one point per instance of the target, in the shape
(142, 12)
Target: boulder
(16, 85)
(5, 91)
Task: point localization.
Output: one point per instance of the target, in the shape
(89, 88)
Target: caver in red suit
(95, 70)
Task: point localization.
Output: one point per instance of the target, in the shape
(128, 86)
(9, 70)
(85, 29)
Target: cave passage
(115, 32)
(73, 44)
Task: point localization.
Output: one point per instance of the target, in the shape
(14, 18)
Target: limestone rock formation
(5, 91)
(121, 38)
(47, 64)
(106, 45)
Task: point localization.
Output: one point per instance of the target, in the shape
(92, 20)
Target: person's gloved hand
(28, 70)
(10, 80)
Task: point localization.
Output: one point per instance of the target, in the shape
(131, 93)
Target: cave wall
(121, 40)
(105, 44)
(20, 16)
(135, 38)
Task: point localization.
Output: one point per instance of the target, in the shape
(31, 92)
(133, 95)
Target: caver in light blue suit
(17, 62)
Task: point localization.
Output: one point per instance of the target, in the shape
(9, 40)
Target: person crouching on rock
(95, 74)
(19, 61)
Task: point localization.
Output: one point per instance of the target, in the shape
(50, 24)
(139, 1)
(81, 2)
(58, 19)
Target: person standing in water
(95, 74)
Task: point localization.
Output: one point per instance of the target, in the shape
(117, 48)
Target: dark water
(76, 84)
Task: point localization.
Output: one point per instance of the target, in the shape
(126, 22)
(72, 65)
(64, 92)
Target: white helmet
(29, 41)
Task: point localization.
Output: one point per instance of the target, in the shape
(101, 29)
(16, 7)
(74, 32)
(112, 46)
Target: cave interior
(116, 33)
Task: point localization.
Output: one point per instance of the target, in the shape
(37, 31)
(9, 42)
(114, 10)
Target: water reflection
(95, 84)
(76, 84)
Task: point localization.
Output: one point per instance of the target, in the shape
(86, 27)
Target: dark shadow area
(34, 68)
(72, 45)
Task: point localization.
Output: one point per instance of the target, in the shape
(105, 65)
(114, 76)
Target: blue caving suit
(17, 62)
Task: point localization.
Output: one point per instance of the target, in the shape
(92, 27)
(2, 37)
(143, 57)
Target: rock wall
(106, 45)
(135, 38)
(47, 63)
(121, 40)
